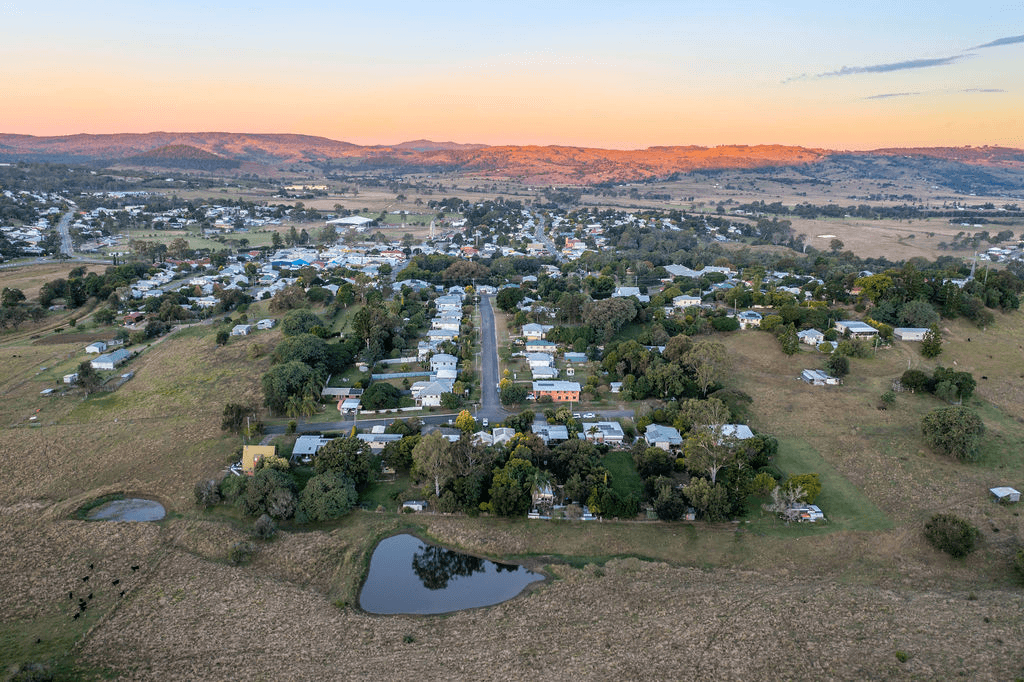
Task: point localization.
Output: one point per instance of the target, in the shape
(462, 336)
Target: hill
(975, 168)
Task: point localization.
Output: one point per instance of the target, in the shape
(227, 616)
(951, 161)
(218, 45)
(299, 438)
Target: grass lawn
(625, 479)
(379, 493)
(844, 505)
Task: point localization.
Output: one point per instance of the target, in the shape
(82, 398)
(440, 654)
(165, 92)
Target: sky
(583, 73)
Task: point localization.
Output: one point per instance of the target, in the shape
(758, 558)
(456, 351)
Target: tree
(11, 297)
(953, 535)
(837, 365)
(306, 348)
(954, 431)
(931, 345)
(207, 493)
(711, 500)
(513, 394)
(707, 362)
(88, 378)
(451, 401)
(285, 380)
(327, 496)
(836, 245)
(507, 299)
(809, 487)
(432, 458)
(300, 321)
(788, 340)
(347, 456)
(381, 396)
(510, 488)
(222, 337)
(271, 492)
(235, 415)
(465, 422)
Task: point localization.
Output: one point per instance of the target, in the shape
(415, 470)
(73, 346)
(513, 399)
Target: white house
(535, 332)
(664, 437)
(686, 301)
(856, 328)
(909, 333)
(241, 329)
(415, 505)
(748, 319)
(266, 323)
(603, 432)
(71, 378)
(812, 337)
(96, 347)
(626, 292)
(111, 360)
(539, 360)
(547, 372)
(441, 361)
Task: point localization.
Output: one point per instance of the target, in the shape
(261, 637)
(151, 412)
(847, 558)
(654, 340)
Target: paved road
(490, 405)
(66, 245)
(363, 423)
(543, 237)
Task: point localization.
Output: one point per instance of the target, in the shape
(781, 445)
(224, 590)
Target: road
(490, 405)
(66, 245)
(542, 237)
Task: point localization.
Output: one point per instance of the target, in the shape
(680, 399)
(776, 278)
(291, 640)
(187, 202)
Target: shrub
(887, 400)
(1018, 563)
(241, 552)
(954, 431)
(264, 527)
(326, 496)
(207, 493)
(951, 534)
(232, 488)
(809, 483)
(837, 365)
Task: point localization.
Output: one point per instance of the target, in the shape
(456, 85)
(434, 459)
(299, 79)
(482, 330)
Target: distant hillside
(961, 168)
(180, 156)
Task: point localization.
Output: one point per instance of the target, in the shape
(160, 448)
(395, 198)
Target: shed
(1005, 494)
(910, 333)
(415, 505)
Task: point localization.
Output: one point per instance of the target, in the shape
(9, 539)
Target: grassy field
(651, 600)
(624, 477)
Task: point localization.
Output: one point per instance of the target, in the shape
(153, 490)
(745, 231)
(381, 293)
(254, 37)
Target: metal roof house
(816, 377)
(910, 333)
(111, 360)
(856, 328)
(664, 437)
(1005, 494)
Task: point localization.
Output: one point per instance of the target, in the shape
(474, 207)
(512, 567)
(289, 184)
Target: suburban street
(66, 245)
(490, 405)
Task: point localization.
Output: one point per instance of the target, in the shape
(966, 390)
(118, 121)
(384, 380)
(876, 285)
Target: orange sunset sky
(598, 74)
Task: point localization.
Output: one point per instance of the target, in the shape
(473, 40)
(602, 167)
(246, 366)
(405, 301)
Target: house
(577, 358)
(349, 405)
(451, 435)
(428, 394)
(111, 360)
(909, 333)
(252, 454)
(71, 378)
(338, 393)
(241, 329)
(550, 432)
(547, 372)
(534, 332)
(1005, 494)
(615, 386)
(536, 360)
(442, 335)
(541, 346)
(96, 347)
(502, 434)
(558, 391)
(812, 337)
(543, 495)
(441, 361)
(415, 505)
(737, 431)
(626, 292)
(306, 447)
(664, 437)
(603, 432)
(378, 441)
(816, 377)
(748, 319)
(856, 329)
(266, 323)
(686, 301)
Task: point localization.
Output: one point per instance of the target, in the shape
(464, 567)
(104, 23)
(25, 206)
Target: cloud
(888, 95)
(1001, 41)
(983, 90)
(895, 66)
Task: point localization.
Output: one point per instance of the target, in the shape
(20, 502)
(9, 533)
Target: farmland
(731, 601)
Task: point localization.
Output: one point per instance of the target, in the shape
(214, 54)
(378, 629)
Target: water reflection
(409, 576)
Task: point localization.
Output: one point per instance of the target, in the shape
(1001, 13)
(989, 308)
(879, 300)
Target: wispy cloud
(889, 95)
(895, 66)
(983, 90)
(1001, 41)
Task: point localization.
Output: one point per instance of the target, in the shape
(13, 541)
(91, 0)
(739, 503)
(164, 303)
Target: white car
(589, 415)
(484, 422)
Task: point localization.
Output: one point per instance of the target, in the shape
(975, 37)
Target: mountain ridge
(554, 164)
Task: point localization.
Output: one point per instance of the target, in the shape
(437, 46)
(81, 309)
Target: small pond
(409, 576)
(132, 509)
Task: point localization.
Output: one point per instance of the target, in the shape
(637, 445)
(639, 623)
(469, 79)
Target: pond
(132, 509)
(409, 576)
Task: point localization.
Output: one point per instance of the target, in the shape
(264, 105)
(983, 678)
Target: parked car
(589, 415)
(575, 415)
(485, 422)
